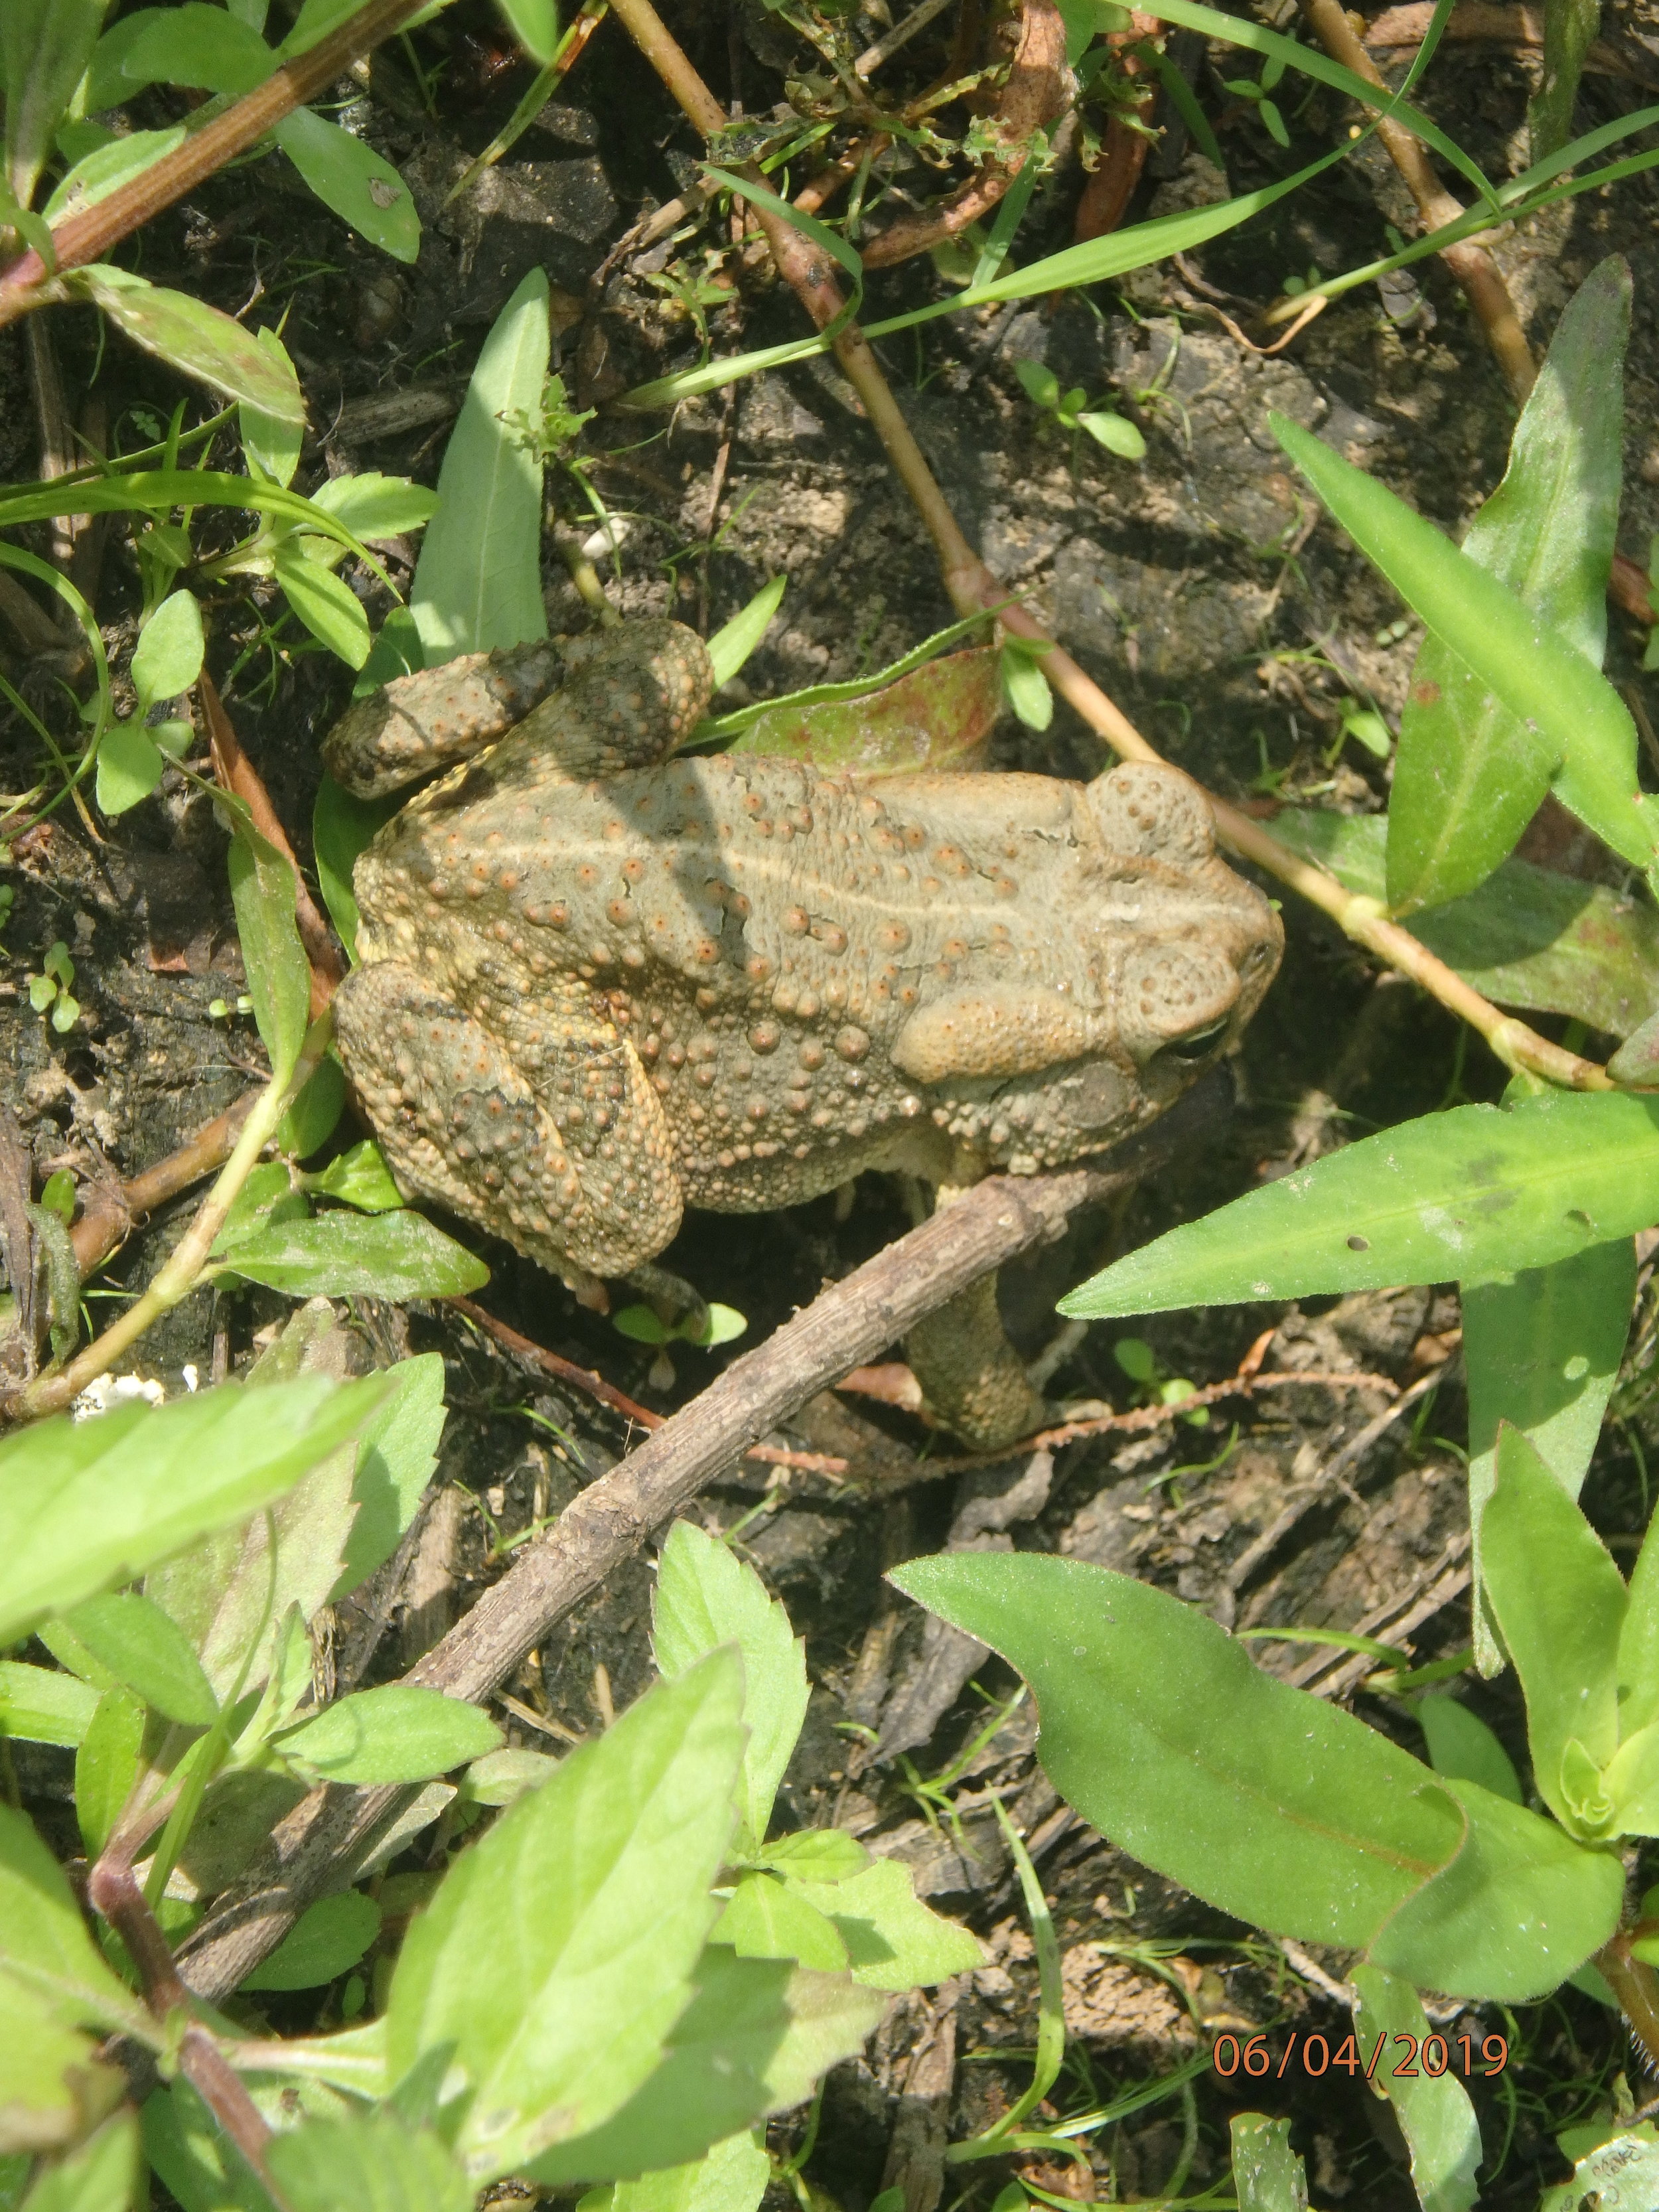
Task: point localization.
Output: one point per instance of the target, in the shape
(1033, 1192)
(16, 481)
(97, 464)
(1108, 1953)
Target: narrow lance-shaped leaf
(359, 184)
(1475, 1194)
(279, 973)
(1434, 2114)
(44, 47)
(1469, 773)
(398, 1733)
(339, 1255)
(1542, 1352)
(1539, 677)
(193, 338)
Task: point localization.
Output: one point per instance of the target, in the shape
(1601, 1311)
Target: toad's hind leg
(970, 1375)
(578, 1172)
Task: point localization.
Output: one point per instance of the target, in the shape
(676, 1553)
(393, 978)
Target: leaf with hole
(359, 184)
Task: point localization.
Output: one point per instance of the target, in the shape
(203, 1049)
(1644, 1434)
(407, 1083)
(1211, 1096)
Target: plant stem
(975, 590)
(79, 239)
(183, 1269)
(1636, 1988)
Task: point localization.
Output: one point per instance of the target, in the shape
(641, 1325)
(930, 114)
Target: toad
(599, 984)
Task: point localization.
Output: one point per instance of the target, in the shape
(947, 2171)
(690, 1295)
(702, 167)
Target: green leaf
(45, 1947)
(1638, 1640)
(148, 1651)
(167, 658)
(755, 2038)
(1434, 2114)
(1473, 1195)
(734, 642)
(477, 583)
(39, 1705)
(1536, 676)
(197, 45)
(1542, 1352)
(1526, 936)
(325, 1943)
(341, 1256)
(359, 1178)
(1267, 2174)
(87, 1505)
(279, 973)
(270, 443)
(1460, 1743)
(396, 1454)
(107, 1765)
(376, 506)
(341, 825)
(1116, 433)
(192, 2157)
(1625, 2165)
(1516, 1912)
(815, 1855)
(1027, 688)
(1631, 1783)
(400, 1732)
(193, 338)
(894, 1942)
(1162, 1732)
(707, 1596)
(106, 168)
(44, 47)
(365, 2162)
(766, 1919)
(129, 766)
(558, 1953)
(936, 716)
(1469, 774)
(360, 186)
(312, 1118)
(103, 2174)
(324, 603)
(534, 24)
(1559, 1602)
(53, 2090)
(730, 2178)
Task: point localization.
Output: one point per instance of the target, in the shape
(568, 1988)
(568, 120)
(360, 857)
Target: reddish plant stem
(111, 1208)
(79, 239)
(1637, 1989)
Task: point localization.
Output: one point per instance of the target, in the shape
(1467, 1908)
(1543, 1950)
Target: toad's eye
(1197, 1043)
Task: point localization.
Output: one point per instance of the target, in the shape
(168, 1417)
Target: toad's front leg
(551, 1138)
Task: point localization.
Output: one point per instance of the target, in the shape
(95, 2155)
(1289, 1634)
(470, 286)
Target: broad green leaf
(85, 1505)
(1535, 675)
(1460, 1743)
(1267, 2174)
(39, 1705)
(360, 1178)
(534, 24)
(815, 1855)
(44, 47)
(764, 1918)
(477, 583)
(341, 1256)
(756, 2036)
(341, 826)
(1161, 1731)
(1559, 1602)
(730, 2178)
(707, 1596)
(1526, 936)
(129, 766)
(106, 168)
(1434, 2114)
(376, 506)
(326, 1942)
(324, 603)
(894, 1942)
(45, 1947)
(167, 658)
(365, 2162)
(1468, 774)
(192, 2156)
(360, 186)
(53, 2090)
(937, 716)
(279, 973)
(501, 1778)
(272, 444)
(103, 2174)
(1631, 1783)
(197, 45)
(396, 1454)
(1638, 1640)
(1542, 1352)
(735, 641)
(1622, 2169)
(192, 338)
(559, 1951)
(1473, 1195)
(312, 1118)
(1517, 1910)
(107, 1765)
(400, 1732)
(144, 1649)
